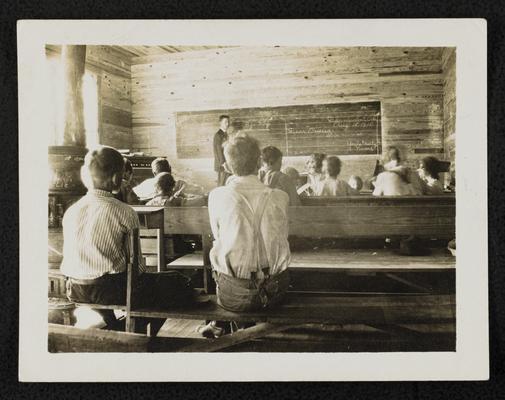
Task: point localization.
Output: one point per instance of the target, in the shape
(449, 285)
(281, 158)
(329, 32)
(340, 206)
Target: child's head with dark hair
(315, 163)
(103, 169)
(292, 173)
(272, 158)
(159, 165)
(332, 166)
(236, 127)
(430, 165)
(242, 155)
(164, 184)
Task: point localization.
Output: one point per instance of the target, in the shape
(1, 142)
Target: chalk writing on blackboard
(362, 145)
(341, 128)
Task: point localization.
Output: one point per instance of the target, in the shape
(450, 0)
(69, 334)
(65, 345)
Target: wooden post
(206, 246)
(132, 271)
(160, 236)
(74, 58)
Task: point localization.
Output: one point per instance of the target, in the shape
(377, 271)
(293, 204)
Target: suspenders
(257, 215)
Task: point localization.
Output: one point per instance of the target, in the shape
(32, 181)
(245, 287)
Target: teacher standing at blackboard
(219, 139)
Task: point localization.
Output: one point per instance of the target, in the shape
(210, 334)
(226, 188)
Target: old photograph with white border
(280, 198)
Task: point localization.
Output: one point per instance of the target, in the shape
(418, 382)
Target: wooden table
(152, 217)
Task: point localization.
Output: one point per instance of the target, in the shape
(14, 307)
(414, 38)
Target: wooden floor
(331, 338)
(181, 328)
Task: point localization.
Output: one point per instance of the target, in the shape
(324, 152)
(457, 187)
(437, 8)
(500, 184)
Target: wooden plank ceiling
(141, 51)
(127, 53)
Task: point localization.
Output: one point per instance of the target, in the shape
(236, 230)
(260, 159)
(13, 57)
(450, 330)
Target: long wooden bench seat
(121, 307)
(370, 259)
(343, 309)
(376, 260)
(373, 260)
(386, 313)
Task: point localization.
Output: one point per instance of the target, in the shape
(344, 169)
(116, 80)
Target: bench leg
(130, 324)
(67, 320)
(206, 246)
(161, 249)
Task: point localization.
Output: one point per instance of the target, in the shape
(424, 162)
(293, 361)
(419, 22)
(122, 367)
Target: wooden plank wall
(408, 81)
(111, 68)
(449, 67)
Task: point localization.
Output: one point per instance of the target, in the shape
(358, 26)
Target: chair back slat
(132, 271)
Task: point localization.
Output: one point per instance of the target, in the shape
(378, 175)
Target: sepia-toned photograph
(275, 198)
(243, 198)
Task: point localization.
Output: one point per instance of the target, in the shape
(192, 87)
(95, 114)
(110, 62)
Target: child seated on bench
(294, 175)
(356, 183)
(332, 186)
(146, 190)
(270, 174)
(398, 182)
(249, 221)
(164, 186)
(429, 172)
(96, 245)
(393, 158)
(314, 171)
(126, 193)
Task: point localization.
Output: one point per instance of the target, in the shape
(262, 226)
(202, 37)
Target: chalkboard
(339, 129)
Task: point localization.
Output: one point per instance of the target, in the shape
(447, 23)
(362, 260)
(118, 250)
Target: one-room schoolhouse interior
(251, 199)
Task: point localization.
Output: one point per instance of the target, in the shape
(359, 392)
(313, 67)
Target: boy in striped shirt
(95, 231)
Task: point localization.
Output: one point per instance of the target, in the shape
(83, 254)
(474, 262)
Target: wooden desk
(152, 217)
(350, 217)
(367, 199)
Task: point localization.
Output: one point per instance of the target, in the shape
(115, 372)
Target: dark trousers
(159, 290)
(238, 295)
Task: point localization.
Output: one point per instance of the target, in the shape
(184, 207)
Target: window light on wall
(56, 106)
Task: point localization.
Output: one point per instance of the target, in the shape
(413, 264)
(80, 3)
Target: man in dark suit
(219, 139)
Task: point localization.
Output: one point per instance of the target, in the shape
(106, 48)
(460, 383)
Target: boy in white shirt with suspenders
(249, 222)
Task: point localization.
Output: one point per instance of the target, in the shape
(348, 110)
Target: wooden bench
(386, 312)
(360, 216)
(326, 263)
(373, 260)
(338, 217)
(348, 218)
(389, 312)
